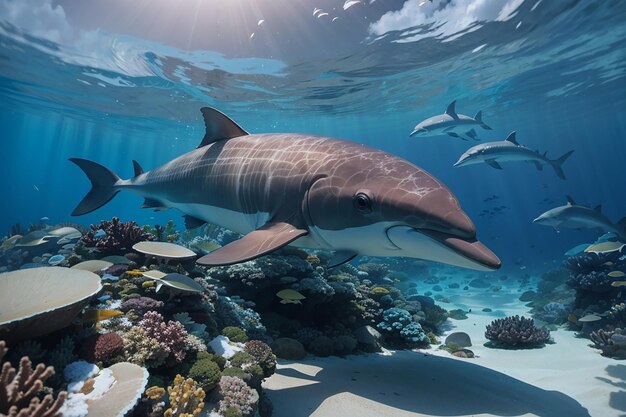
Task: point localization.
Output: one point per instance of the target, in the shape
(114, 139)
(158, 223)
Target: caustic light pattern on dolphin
(450, 123)
(574, 216)
(306, 191)
(492, 153)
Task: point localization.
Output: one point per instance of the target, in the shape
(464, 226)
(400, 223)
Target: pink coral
(172, 334)
(102, 347)
(236, 394)
(141, 304)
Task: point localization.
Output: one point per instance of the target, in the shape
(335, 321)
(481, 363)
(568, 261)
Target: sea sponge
(186, 398)
(18, 390)
(400, 328)
(235, 334)
(516, 331)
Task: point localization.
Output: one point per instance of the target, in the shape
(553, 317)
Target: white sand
(565, 379)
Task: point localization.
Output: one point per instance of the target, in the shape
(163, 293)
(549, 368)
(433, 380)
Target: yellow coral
(147, 284)
(155, 393)
(186, 398)
(380, 290)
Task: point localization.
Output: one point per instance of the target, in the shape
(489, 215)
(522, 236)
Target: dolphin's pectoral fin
(266, 239)
(454, 135)
(193, 222)
(539, 166)
(340, 257)
(493, 163)
(218, 127)
(153, 204)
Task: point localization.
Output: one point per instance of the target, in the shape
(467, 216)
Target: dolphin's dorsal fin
(266, 239)
(218, 127)
(598, 208)
(570, 200)
(138, 169)
(450, 111)
(511, 138)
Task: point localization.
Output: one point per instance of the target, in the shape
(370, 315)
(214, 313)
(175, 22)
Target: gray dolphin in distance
(574, 216)
(452, 124)
(307, 191)
(492, 153)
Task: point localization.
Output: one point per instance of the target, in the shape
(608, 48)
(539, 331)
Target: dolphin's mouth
(443, 247)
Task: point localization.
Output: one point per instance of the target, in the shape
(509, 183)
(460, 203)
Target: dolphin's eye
(362, 203)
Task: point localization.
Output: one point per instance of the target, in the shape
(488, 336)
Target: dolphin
(307, 191)
(573, 216)
(450, 123)
(492, 153)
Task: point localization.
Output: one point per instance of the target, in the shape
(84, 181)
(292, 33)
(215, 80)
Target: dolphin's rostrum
(307, 191)
(508, 150)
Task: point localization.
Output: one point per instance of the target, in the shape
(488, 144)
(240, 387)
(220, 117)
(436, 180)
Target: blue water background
(559, 81)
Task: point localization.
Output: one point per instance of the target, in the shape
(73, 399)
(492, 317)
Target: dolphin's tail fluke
(479, 119)
(557, 164)
(103, 189)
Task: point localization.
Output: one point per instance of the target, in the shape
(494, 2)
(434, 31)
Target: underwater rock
(221, 346)
(528, 296)
(287, 348)
(463, 353)
(368, 339)
(479, 283)
(461, 339)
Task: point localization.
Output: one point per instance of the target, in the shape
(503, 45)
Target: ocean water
(115, 81)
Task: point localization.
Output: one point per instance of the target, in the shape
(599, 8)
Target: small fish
(260, 22)
(605, 247)
(618, 284)
(589, 318)
(44, 219)
(350, 3)
(608, 263)
(94, 316)
(572, 318)
(616, 274)
(10, 242)
(104, 297)
(134, 272)
(322, 14)
(179, 282)
(109, 277)
(334, 18)
(252, 36)
(35, 187)
(289, 296)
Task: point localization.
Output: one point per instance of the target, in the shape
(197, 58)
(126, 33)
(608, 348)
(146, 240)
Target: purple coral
(118, 236)
(141, 305)
(516, 331)
(171, 334)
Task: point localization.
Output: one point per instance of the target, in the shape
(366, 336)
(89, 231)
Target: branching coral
(18, 390)
(118, 236)
(143, 350)
(102, 347)
(516, 331)
(171, 334)
(186, 398)
(594, 281)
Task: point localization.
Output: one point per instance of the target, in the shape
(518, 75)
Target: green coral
(235, 334)
(207, 373)
(236, 372)
(241, 358)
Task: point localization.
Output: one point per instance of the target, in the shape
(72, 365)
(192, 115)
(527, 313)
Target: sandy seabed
(564, 379)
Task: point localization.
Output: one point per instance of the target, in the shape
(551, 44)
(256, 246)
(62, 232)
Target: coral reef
(19, 389)
(611, 343)
(141, 305)
(516, 331)
(102, 347)
(143, 350)
(263, 355)
(116, 237)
